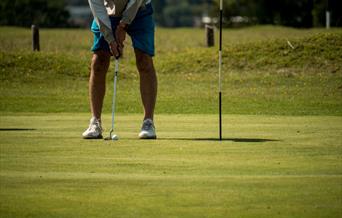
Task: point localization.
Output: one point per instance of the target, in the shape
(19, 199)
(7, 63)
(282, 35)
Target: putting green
(266, 166)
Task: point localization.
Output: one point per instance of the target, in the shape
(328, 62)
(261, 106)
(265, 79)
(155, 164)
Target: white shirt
(102, 9)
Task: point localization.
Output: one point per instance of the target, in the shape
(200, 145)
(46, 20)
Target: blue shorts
(141, 31)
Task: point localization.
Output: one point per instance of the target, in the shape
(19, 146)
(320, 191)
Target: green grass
(262, 74)
(267, 166)
(282, 125)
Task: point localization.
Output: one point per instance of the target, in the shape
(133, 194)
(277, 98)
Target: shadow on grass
(223, 139)
(15, 129)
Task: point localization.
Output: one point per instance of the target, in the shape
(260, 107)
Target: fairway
(266, 166)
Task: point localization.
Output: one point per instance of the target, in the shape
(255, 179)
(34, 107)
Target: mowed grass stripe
(108, 176)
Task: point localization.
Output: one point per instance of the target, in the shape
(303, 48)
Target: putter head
(107, 138)
(112, 136)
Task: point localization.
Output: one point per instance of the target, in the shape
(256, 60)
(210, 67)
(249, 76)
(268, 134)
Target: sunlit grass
(262, 74)
(266, 166)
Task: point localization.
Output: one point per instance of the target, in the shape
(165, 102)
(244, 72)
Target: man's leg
(97, 81)
(148, 82)
(97, 88)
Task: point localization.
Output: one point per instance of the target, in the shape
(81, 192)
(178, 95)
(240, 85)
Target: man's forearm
(102, 19)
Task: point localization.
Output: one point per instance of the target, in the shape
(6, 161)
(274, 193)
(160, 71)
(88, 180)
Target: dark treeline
(46, 13)
(174, 13)
(295, 13)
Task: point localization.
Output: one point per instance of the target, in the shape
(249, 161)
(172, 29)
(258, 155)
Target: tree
(174, 13)
(295, 13)
(45, 13)
(178, 14)
(333, 6)
(159, 11)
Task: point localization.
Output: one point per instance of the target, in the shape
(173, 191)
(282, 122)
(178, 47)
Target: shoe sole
(154, 137)
(89, 138)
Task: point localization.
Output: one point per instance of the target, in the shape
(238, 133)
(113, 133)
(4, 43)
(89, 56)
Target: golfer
(112, 20)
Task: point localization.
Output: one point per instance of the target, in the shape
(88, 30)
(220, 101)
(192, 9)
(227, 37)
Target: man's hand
(114, 48)
(120, 35)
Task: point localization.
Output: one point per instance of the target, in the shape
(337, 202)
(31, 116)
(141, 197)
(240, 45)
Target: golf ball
(115, 137)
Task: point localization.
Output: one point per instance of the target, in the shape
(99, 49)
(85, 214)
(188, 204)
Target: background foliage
(46, 13)
(295, 13)
(175, 13)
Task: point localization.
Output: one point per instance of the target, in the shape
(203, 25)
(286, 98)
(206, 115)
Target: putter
(111, 135)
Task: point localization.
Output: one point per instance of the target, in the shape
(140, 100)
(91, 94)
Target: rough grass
(267, 166)
(262, 74)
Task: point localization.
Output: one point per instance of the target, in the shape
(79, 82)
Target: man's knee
(144, 63)
(100, 61)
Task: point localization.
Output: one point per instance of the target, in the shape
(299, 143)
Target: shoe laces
(147, 125)
(94, 123)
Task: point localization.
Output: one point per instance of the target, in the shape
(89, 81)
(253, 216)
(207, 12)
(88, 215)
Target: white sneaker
(147, 130)
(94, 130)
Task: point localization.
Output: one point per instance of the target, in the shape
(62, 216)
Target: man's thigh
(142, 31)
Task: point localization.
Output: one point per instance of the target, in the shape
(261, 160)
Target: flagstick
(220, 69)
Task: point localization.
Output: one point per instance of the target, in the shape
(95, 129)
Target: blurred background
(179, 13)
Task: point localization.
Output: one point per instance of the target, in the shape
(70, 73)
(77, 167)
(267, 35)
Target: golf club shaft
(220, 69)
(114, 93)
